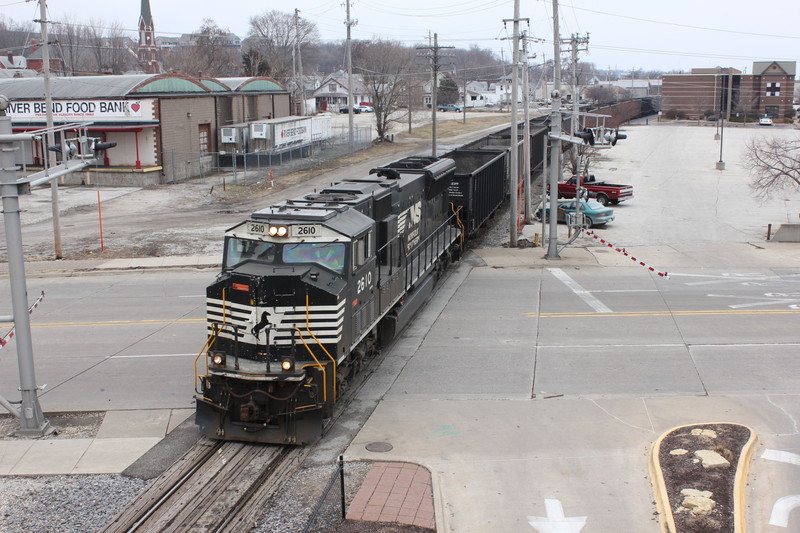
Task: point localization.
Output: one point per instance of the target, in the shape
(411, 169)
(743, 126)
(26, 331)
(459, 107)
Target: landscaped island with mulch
(699, 473)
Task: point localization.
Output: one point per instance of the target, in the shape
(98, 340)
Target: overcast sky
(624, 34)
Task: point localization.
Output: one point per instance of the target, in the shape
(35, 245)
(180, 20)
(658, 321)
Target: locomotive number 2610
(306, 230)
(364, 282)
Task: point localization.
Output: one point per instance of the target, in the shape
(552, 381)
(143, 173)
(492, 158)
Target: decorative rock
(710, 433)
(697, 502)
(711, 459)
(679, 451)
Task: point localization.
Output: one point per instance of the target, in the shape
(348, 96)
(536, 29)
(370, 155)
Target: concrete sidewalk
(122, 438)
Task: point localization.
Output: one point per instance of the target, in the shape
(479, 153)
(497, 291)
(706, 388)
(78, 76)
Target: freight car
(311, 288)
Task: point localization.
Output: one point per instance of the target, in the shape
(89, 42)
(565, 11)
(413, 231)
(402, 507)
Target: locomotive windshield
(237, 251)
(330, 255)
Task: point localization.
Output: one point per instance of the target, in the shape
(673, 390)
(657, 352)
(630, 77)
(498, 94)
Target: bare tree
(774, 164)
(274, 34)
(210, 54)
(73, 44)
(255, 64)
(14, 34)
(747, 101)
(383, 66)
(601, 94)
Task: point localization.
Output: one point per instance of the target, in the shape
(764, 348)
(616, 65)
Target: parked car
(356, 109)
(765, 121)
(596, 214)
(364, 108)
(450, 107)
(605, 193)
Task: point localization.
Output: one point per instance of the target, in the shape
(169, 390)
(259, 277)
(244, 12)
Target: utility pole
(299, 82)
(433, 53)
(577, 44)
(555, 147)
(350, 112)
(49, 156)
(514, 134)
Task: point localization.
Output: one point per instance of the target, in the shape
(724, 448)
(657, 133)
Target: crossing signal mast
(76, 153)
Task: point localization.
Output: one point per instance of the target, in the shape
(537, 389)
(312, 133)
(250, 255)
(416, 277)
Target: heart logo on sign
(135, 107)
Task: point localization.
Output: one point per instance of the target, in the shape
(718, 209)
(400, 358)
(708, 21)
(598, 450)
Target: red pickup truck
(603, 192)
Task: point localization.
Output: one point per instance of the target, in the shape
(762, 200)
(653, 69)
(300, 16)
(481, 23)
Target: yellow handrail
(320, 365)
(209, 343)
(308, 329)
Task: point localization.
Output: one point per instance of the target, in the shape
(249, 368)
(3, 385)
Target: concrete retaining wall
(787, 233)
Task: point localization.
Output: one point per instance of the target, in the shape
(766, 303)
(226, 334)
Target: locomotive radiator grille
(325, 321)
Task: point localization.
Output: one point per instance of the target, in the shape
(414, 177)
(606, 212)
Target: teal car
(596, 214)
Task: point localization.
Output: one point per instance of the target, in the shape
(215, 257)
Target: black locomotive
(312, 287)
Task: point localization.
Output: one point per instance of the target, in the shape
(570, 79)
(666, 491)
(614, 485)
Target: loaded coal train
(312, 287)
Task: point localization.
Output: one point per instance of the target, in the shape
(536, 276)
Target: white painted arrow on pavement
(781, 456)
(782, 509)
(555, 521)
(784, 506)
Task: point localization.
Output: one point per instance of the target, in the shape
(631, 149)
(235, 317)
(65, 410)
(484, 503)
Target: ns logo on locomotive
(311, 288)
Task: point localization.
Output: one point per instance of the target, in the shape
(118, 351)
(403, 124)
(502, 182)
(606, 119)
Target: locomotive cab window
(362, 251)
(327, 254)
(237, 251)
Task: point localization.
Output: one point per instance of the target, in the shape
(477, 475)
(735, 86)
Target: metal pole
(341, 485)
(434, 90)
(349, 23)
(50, 156)
(555, 154)
(527, 140)
(544, 183)
(32, 421)
(514, 137)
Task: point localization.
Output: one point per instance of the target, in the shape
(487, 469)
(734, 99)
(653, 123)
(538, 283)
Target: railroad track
(220, 486)
(214, 487)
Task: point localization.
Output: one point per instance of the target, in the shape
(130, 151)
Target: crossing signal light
(587, 135)
(70, 150)
(614, 136)
(98, 146)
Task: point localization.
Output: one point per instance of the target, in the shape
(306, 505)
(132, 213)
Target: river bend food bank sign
(82, 110)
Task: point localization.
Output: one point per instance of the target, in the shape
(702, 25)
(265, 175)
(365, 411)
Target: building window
(773, 89)
(205, 137)
(332, 88)
(771, 111)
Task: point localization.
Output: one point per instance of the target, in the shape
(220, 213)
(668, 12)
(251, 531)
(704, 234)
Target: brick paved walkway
(395, 492)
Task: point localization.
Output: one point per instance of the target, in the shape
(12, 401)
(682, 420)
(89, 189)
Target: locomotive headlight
(218, 359)
(287, 364)
(278, 231)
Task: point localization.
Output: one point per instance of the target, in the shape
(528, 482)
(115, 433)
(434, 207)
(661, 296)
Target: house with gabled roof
(332, 92)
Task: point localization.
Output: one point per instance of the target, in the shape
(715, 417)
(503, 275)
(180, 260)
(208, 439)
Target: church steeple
(148, 52)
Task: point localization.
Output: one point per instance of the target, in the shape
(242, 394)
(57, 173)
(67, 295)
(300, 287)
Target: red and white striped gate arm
(10, 335)
(626, 254)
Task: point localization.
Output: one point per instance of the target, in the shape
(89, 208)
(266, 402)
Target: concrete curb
(665, 516)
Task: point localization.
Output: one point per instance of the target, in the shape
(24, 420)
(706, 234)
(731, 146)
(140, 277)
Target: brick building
(705, 92)
(165, 125)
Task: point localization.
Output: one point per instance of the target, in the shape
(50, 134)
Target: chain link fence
(243, 168)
